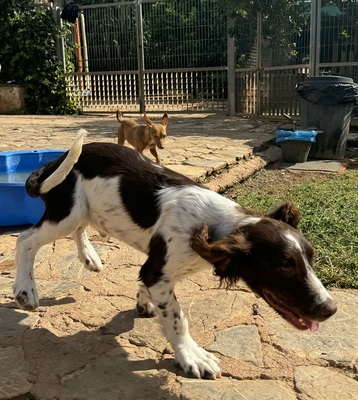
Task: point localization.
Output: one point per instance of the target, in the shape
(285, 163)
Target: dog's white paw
(91, 260)
(195, 361)
(26, 295)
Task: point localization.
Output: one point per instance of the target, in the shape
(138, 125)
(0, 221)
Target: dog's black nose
(325, 310)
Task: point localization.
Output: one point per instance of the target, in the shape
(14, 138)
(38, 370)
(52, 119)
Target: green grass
(329, 210)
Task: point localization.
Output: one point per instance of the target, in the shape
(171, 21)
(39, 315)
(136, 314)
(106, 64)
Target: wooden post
(79, 54)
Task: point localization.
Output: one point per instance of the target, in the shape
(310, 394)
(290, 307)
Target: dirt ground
(274, 180)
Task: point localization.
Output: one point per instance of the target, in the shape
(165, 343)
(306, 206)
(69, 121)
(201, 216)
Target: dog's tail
(64, 169)
(119, 115)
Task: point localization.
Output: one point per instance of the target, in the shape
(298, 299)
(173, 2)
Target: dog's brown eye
(288, 266)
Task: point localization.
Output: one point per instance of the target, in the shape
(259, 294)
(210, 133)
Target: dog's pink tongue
(313, 326)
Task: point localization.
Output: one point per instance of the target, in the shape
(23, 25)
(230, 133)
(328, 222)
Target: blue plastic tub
(16, 206)
(301, 135)
(295, 145)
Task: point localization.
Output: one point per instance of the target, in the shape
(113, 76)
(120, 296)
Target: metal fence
(176, 75)
(173, 55)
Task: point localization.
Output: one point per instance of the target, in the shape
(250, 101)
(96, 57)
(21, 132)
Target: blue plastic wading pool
(16, 206)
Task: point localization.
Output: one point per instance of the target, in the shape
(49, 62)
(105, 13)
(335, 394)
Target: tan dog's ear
(148, 121)
(165, 119)
(286, 212)
(225, 254)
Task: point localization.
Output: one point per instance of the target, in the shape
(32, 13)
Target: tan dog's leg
(153, 150)
(121, 136)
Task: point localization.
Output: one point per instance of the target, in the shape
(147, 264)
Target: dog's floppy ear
(148, 121)
(225, 254)
(286, 212)
(165, 119)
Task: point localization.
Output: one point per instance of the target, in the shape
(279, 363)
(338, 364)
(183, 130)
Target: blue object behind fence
(305, 136)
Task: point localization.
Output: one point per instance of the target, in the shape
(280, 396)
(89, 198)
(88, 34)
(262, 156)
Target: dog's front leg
(27, 245)
(154, 152)
(25, 291)
(194, 360)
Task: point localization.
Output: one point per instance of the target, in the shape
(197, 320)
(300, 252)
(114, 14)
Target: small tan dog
(143, 136)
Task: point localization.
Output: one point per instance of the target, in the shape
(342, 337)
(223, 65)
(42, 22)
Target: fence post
(315, 37)
(55, 7)
(258, 64)
(140, 55)
(231, 62)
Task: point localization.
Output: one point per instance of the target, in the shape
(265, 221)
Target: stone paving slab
(228, 389)
(86, 341)
(317, 166)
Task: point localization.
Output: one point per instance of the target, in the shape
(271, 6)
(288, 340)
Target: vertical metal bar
(315, 37)
(146, 85)
(231, 57)
(120, 94)
(259, 64)
(171, 82)
(85, 50)
(103, 85)
(135, 90)
(115, 90)
(60, 43)
(125, 90)
(111, 91)
(196, 77)
(132, 95)
(187, 80)
(140, 55)
(205, 89)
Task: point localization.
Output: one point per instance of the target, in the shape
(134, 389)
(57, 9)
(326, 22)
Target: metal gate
(275, 52)
(118, 67)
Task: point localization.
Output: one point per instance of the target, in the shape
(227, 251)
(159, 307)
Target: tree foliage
(191, 33)
(28, 56)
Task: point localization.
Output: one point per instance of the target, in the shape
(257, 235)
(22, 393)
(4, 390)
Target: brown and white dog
(143, 136)
(182, 227)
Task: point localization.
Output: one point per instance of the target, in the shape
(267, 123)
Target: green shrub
(28, 57)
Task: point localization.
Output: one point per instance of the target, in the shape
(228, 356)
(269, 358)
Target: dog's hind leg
(86, 252)
(121, 136)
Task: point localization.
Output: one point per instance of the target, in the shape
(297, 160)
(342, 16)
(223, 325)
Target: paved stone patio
(86, 340)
